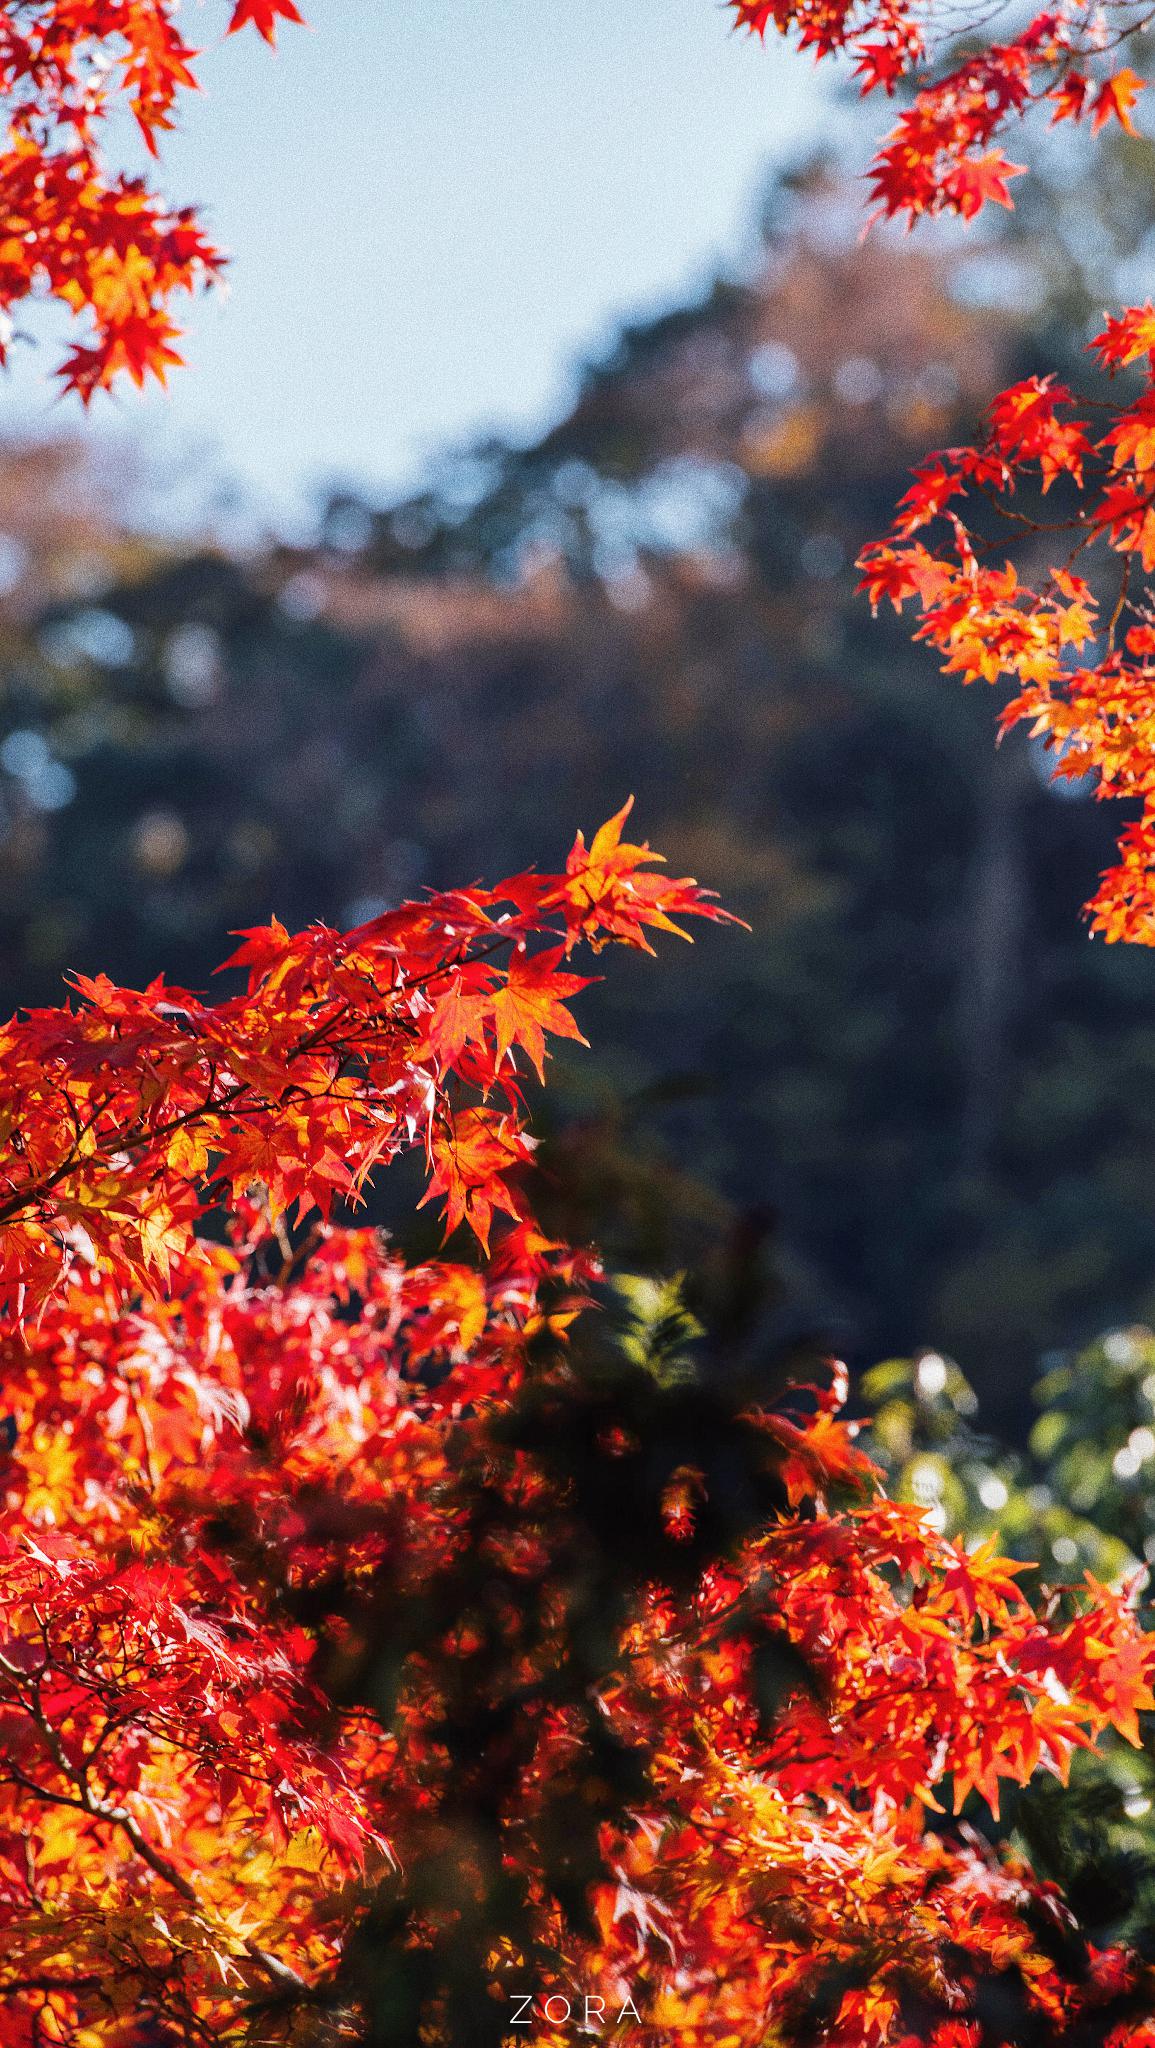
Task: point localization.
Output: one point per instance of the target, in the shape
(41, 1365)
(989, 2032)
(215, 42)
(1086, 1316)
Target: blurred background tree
(917, 1073)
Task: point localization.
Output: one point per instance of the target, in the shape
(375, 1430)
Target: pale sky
(434, 208)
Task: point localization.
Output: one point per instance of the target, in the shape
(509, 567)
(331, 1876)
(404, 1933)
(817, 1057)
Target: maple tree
(377, 1657)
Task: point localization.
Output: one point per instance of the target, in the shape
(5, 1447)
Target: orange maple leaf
(979, 180)
(531, 1003)
(1115, 99)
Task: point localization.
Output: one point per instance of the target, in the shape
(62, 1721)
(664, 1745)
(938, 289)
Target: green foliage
(923, 1432)
(655, 1328)
(1096, 1440)
(1095, 1836)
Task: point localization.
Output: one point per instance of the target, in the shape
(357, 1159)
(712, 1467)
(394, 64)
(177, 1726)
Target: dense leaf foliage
(325, 1715)
(75, 228)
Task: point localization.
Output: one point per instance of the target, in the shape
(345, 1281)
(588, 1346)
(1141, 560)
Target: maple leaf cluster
(1076, 640)
(132, 1114)
(944, 154)
(73, 227)
(187, 1830)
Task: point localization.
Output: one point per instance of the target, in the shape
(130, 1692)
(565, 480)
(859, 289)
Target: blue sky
(434, 207)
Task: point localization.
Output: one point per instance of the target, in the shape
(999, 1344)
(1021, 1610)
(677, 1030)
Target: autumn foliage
(131, 1115)
(328, 1712)
(1069, 480)
(74, 227)
(379, 1658)
(320, 1720)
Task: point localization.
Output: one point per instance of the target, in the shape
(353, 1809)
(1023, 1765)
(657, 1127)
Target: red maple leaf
(264, 16)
